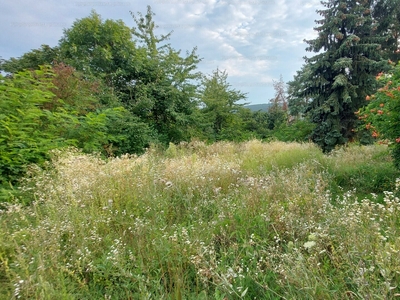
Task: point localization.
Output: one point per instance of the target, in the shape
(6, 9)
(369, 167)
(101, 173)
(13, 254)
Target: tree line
(113, 89)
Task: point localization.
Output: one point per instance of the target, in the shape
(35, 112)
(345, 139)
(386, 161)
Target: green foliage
(153, 81)
(104, 49)
(96, 120)
(27, 132)
(52, 108)
(276, 117)
(220, 107)
(297, 131)
(381, 116)
(83, 108)
(91, 133)
(74, 92)
(127, 134)
(256, 123)
(338, 79)
(297, 101)
(101, 65)
(387, 15)
(164, 89)
(45, 55)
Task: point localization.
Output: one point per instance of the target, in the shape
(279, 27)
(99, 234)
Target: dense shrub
(53, 108)
(382, 115)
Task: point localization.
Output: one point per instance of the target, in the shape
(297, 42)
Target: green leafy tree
(73, 91)
(343, 73)
(35, 118)
(164, 89)
(255, 123)
(299, 131)
(155, 83)
(220, 106)
(100, 125)
(45, 55)
(127, 134)
(381, 117)
(104, 49)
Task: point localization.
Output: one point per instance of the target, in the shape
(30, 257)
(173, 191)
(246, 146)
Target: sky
(254, 41)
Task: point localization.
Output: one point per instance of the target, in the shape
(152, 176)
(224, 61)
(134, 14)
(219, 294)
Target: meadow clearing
(247, 220)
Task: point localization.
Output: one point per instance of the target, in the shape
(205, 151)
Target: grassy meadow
(248, 220)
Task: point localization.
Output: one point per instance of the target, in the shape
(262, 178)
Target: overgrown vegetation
(127, 174)
(113, 89)
(226, 221)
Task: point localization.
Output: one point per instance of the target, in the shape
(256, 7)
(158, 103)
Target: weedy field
(223, 221)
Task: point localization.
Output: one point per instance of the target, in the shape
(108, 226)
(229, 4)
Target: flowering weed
(225, 221)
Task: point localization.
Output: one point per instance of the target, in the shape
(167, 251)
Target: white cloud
(253, 40)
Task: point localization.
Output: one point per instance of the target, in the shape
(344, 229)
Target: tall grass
(225, 221)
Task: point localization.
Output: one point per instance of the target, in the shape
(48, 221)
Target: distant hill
(257, 107)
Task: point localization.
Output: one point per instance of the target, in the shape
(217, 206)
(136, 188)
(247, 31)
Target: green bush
(381, 116)
(26, 130)
(34, 120)
(298, 131)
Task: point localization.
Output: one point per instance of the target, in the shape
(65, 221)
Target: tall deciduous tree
(163, 91)
(343, 73)
(104, 49)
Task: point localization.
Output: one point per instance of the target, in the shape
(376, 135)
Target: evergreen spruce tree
(343, 72)
(387, 14)
(297, 101)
